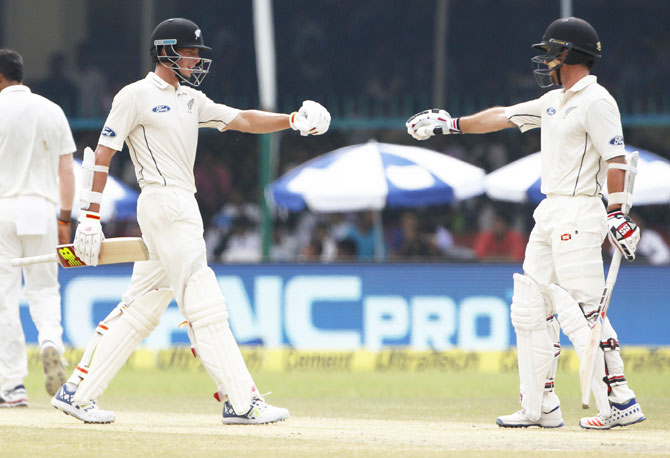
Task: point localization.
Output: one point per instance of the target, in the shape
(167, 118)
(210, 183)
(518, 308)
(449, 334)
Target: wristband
(63, 222)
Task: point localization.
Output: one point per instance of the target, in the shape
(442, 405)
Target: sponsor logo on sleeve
(618, 141)
(160, 109)
(551, 111)
(108, 132)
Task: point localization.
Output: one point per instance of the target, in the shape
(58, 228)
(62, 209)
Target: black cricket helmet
(573, 34)
(175, 33)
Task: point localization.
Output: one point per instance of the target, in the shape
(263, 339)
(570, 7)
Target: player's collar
(582, 83)
(15, 88)
(157, 81)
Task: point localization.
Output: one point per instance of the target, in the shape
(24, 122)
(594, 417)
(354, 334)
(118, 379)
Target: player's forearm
(490, 120)
(65, 186)
(103, 156)
(259, 122)
(615, 180)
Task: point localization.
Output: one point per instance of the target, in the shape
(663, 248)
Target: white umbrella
(372, 176)
(519, 181)
(119, 201)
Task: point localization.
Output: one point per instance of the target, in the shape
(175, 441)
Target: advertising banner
(434, 307)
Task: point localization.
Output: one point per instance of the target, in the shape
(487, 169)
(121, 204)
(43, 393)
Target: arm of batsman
(311, 119)
(88, 237)
(427, 123)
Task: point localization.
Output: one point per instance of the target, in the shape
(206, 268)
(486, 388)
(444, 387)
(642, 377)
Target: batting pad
(574, 325)
(535, 346)
(205, 309)
(117, 344)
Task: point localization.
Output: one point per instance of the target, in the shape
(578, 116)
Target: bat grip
(20, 262)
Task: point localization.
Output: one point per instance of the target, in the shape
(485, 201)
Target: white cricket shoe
(54, 372)
(259, 413)
(15, 397)
(551, 419)
(622, 415)
(88, 413)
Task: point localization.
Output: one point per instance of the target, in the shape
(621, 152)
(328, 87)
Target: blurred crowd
(339, 53)
(474, 230)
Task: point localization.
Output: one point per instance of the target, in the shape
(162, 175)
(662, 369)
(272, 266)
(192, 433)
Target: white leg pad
(81, 371)
(620, 392)
(535, 347)
(575, 326)
(205, 309)
(138, 319)
(549, 400)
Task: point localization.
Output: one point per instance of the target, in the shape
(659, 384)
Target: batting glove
(623, 233)
(311, 119)
(424, 125)
(88, 237)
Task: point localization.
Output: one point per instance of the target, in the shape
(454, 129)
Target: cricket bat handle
(21, 262)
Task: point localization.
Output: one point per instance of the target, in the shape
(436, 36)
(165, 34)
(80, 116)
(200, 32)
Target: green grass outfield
(171, 412)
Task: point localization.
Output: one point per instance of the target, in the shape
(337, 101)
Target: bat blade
(112, 251)
(587, 364)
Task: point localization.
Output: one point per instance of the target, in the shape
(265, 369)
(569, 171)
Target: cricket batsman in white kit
(582, 144)
(159, 118)
(36, 175)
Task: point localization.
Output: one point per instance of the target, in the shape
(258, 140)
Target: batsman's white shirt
(34, 132)
(581, 129)
(160, 125)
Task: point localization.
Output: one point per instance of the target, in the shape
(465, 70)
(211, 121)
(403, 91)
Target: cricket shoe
(64, 401)
(54, 372)
(259, 413)
(622, 415)
(551, 419)
(16, 397)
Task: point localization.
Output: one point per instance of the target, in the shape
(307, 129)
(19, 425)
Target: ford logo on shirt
(108, 132)
(551, 111)
(618, 140)
(160, 109)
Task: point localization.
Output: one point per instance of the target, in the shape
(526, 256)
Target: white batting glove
(427, 123)
(311, 119)
(623, 234)
(88, 238)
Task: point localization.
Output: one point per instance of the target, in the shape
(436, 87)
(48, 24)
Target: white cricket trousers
(172, 228)
(564, 248)
(41, 290)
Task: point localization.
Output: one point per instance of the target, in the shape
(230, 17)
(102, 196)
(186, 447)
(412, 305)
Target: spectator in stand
(500, 243)
(312, 252)
(346, 250)
(244, 242)
(410, 242)
(363, 234)
(214, 183)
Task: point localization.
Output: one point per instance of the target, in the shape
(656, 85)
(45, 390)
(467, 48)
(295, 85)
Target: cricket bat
(112, 251)
(586, 365)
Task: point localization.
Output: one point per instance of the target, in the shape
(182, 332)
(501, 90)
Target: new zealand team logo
(108, 132)
(160, 109)
(618, 141)
(551, 111)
